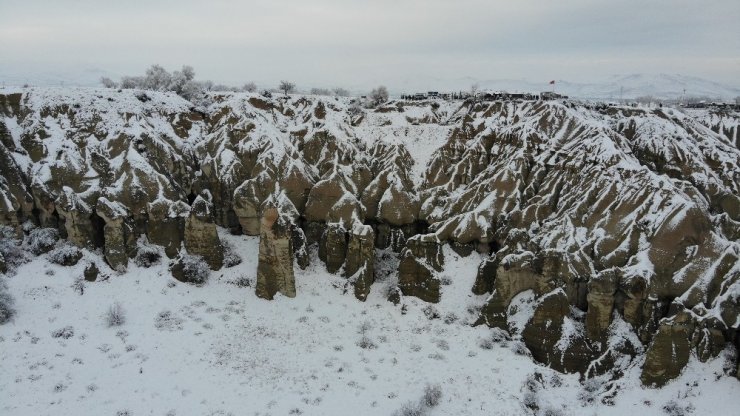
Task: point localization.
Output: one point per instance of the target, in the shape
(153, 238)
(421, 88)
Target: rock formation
(359, 267)
(420, 262)
(201, 237)
(275, 264)
(620, 225)
(119, 237)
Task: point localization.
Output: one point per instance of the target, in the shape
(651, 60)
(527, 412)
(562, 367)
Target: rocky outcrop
(333, 247)
(420, 262)
(91, 272)
(669, 352)
(606, 217)
(78, 219)
(514, 274)
(550, 341)
(16, 196)
(118, 232)
(275, 264)
(166, 225)
(601, 291)
(359, 267)
(486, 276)
(201, 237)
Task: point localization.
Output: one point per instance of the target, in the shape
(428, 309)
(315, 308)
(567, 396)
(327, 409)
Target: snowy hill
(629, 86)
(356, 254)
(660, 86)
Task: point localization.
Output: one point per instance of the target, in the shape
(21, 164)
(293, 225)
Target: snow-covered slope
(605, 238)
(628, 86)
(220, 350)
(661, 86)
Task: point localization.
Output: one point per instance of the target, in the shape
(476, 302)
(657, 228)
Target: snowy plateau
(306, 255)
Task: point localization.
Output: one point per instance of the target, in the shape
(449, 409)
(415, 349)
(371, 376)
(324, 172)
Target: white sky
(367, 42)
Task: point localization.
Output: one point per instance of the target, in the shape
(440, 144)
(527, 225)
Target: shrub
(79, 286)
(673, 408)
(556, 380)
(231, 258)
(355, 109)
(340, 92)
(530, 401)
(590, 392)
(499, 335)
(320, 91)
(147, 256)
(551, 411)
(242, 281)
(11, 255)
(115, 316)
(42, 240)
(250, 87)
(364, 327)
(67, 332)
(519, 348)
(366, 343)
(108, 83)
(431, 312)
(191, 269)
(7, 304)
(534, 381)
(411, 409)
(486, 344)
(432, 395)
(65, 255)
(167, 321)
(451, 318)
(378, 96)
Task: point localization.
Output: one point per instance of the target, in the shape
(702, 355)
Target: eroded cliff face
(607, 230)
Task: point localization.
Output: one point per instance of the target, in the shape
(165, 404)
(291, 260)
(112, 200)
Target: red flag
(552, 82)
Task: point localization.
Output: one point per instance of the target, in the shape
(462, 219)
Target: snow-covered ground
(220, 350)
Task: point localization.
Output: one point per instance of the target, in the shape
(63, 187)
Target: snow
(219, 350)
(521, 310)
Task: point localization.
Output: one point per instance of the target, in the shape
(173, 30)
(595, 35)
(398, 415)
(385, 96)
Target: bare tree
(474, 89)
(157, 78)
(108, 83)
(129, 82)
(250, 87)
(320, 91)
(286, 87)
(188, 72)
(341, 92)
(223, 87)
(180, 78)
(379, 96)
(737, 100)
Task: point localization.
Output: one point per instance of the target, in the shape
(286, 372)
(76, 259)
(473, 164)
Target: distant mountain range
(662, 86)
(75, 77)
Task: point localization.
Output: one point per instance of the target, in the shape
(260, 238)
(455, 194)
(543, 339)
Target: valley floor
(220, 350)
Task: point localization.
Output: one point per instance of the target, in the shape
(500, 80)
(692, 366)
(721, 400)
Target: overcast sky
(354, 43)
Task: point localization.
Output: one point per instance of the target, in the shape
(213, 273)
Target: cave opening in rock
(232, 221)
(98, 230)
(36, 215)
(191, 197)
(421, 227)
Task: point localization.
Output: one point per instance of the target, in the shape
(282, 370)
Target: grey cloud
(361, 42)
